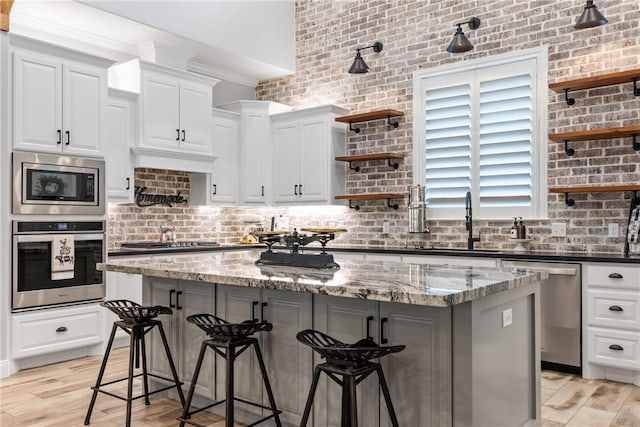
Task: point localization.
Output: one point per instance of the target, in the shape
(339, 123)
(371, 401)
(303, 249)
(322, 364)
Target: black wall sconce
(359, 66)
(460, 42)
(591, 17)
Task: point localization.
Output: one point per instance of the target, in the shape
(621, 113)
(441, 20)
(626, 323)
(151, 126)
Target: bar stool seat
(353, 363)
(137, 321)
(229, 340)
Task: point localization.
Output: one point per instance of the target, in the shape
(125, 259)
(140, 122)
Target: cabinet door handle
(615, 276)
(215, 189)
(61, 329)
(383, 340)
(262, 191)
(59, 136)
(616, 308)
(178, 306)
(369, 320)
(300, 189)
(616, 347)
(177, 134)
(254, 304)
(128, 184)
(68, 137)
(171, 304)
(184, 135)
(295, 190)
(262, 307)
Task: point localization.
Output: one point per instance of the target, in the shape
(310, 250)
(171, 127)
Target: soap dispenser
(514, 229)
(521, 230)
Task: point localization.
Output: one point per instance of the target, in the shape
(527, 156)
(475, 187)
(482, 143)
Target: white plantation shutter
(448, 144)
(478, 130)
(504, 141)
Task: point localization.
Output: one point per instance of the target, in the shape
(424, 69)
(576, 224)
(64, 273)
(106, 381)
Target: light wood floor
(58, 395)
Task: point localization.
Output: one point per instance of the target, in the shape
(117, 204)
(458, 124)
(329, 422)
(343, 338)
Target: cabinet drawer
(613, 309)
(613, 276)
(613, 348)
(55, 330)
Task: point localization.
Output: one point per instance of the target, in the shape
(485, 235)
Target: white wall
(225, 91)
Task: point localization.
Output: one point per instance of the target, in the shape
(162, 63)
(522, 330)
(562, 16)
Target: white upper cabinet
(59, 99)
(174, 112)
(120, 135)
(305, 144)
(221, 186)
(255, 149)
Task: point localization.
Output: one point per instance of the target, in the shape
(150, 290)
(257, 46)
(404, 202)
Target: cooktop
(169, 245)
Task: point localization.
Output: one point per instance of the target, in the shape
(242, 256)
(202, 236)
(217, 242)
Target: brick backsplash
(415, 35)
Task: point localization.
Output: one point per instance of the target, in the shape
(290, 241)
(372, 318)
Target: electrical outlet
(614, 230)
(386, 227)
(507, 317)
(558, 229)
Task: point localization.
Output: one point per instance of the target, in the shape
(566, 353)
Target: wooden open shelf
(372, 196)
(375, 156)
(371, 115)
(596, 81)
(592, 189)
(594, 134)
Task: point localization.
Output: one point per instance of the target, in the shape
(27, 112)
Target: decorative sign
(145, 199)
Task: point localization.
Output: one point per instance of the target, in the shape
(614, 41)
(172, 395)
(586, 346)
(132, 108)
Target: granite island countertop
(429, 285)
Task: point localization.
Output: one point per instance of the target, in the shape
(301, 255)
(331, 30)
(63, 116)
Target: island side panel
(496, 369)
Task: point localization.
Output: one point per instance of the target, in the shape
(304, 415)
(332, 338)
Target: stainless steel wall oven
(37, 255)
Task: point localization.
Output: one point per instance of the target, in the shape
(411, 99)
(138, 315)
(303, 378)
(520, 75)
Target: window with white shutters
(479, 130)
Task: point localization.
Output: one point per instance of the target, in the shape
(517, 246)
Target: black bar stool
(353, 363)
(137, 321)
(229, 340)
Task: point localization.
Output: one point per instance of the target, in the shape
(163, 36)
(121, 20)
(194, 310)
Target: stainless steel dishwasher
(560, 314)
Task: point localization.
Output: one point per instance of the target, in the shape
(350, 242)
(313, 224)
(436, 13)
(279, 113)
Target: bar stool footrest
(238, 399)
(173, 385)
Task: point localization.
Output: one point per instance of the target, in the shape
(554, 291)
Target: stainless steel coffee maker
(417, 209)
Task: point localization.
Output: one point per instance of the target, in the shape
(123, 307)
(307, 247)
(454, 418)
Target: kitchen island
(471, 333)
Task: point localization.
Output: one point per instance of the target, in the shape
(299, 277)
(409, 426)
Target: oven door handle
(77, 237)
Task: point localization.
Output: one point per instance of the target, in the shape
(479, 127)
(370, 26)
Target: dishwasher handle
(560, 271)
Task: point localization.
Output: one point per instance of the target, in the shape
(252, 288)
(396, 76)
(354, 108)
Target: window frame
(539, 192)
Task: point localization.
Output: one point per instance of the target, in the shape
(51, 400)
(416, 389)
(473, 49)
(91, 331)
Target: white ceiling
(237, 40)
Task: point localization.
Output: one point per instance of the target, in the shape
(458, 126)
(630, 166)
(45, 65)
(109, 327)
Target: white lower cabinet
(611, 322)
(288, 362)
(184, 298)
(49, 331)
(418, 377)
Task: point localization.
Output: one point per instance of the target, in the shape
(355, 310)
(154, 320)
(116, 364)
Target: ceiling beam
(5, 11)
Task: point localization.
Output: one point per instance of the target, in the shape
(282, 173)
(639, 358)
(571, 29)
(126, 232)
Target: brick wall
(415, 35)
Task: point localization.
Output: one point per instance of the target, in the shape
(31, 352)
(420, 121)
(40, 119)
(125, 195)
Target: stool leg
(231, 356)
(267, 384)
(353, 401)
(170, 359)
(192, 388)
(132, 354)
(387, 397)
(312, 393)
(100, 374)
(345, 419)
(145, 378)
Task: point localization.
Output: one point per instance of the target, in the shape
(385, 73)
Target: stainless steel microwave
(52, 184)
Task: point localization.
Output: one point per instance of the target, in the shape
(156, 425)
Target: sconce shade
(460, 43)
(358, 66)
(591, 17)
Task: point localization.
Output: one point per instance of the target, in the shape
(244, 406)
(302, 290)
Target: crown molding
(48, 27)
(208, 70)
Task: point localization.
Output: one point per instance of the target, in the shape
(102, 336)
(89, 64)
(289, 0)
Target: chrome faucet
(468, 222)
